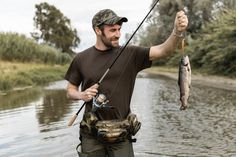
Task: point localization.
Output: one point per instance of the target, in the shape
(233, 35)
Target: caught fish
(184, 81)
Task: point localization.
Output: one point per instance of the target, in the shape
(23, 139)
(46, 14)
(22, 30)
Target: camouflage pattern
(107, 16)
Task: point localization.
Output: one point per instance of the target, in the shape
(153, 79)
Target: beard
(110, 42)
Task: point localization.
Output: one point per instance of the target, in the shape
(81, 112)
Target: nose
(118, 34)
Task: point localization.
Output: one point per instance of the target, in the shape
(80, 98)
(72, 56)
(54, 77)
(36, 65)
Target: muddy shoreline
(205, 80)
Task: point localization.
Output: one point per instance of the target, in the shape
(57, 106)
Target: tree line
(199, 12)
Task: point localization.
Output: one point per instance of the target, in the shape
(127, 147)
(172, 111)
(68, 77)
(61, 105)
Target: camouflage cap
(107, 16)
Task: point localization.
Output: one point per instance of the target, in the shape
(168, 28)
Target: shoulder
(135, 47)
(84, 53)
(138, 49)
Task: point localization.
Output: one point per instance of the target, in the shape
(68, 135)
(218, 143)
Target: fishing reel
(99, 101)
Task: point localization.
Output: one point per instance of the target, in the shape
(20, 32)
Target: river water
(33, 122)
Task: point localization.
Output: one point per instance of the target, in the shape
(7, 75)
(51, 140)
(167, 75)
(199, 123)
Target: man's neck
(101, 47)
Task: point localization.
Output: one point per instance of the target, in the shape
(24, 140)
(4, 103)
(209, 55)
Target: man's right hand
(89, 93)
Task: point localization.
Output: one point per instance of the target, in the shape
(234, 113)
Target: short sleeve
(142, 60)
(73, 74)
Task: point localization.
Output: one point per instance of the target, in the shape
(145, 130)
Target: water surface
(33, 122)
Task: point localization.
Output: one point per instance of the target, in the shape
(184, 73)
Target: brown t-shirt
(88, 67)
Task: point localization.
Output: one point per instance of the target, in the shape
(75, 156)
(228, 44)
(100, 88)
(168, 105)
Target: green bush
(32, 77)
(217, 52)
(5, 84)
(15, 47)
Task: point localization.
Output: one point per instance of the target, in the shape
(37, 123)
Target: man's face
(110, 35)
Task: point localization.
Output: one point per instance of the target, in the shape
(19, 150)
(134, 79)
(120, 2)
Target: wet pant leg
(122, 149)
(92, 148)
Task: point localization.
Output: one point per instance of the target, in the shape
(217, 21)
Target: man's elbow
(158, 52)
(72, 92)
(68, 95)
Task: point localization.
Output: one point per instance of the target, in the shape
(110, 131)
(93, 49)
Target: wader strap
(77, 149)
(132, 140)
(80, 138)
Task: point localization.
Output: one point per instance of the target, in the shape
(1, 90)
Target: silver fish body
(184, 81)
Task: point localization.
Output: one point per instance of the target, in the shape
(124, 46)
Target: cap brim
(115, 20)
(123, 19)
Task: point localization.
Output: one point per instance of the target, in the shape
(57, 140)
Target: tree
(160, 23)
(214, 49)
(53, 28)
(161, 20)
(230, 4)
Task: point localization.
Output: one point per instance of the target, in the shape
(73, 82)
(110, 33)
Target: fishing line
(182, 46)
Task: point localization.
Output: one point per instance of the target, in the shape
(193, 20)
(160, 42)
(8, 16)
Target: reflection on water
(33, 122)
(53, 107)
(17, 99)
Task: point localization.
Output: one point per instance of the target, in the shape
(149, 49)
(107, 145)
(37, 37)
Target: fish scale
(184, 79)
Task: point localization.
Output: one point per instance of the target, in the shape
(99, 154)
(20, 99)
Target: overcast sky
(17, 15)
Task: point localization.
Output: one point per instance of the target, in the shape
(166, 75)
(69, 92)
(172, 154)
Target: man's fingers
(180, 12)
(92, 92)
(181, 21)
(95, 86)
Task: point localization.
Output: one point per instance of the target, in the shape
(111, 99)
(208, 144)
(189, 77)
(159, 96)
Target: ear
(98, 31)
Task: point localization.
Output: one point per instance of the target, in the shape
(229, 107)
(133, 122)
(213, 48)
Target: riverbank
(197, 78)
(18, 76)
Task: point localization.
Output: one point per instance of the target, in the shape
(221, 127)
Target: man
(89, 66)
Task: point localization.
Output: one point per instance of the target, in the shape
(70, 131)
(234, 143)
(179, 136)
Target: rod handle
(72, 120)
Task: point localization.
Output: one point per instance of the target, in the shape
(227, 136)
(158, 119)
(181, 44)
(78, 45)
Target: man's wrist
(178, 33)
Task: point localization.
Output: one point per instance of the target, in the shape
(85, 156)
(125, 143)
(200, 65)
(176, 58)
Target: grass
(16, 75)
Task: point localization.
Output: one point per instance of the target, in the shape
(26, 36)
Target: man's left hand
(181, 22)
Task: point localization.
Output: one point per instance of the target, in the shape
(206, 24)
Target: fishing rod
(121, 51)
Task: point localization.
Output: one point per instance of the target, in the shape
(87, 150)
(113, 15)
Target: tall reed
(16, 47)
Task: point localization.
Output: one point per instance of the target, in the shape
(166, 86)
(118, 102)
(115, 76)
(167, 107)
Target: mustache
(115, 39)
